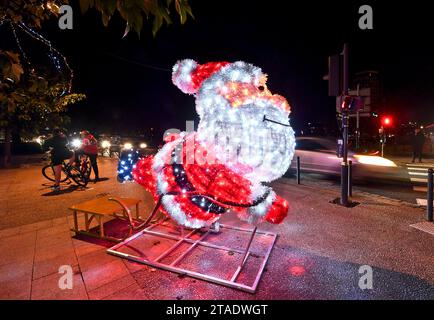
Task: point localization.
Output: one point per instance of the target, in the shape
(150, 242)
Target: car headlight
(76, 143)
(106, 144)
(38, 140)
(128, 146)
(375, 161)
(143, 145)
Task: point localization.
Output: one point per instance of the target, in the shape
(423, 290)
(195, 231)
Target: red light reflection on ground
(297, 271)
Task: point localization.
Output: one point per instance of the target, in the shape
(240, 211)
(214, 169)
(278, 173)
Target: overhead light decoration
(244, 139)
(143, 146)
(58, 60)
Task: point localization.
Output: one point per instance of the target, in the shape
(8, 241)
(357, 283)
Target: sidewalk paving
(317, 255)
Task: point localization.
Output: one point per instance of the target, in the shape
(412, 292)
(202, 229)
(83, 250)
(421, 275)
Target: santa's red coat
(204, 191)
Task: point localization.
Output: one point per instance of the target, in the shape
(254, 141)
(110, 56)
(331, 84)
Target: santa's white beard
(266, 148)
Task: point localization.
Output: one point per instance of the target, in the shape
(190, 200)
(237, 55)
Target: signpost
(346, 104)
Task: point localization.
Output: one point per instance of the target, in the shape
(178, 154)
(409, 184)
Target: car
(109, 145)
(114, 145)
(319, 155)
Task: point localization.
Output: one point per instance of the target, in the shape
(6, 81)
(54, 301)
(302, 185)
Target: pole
(358, 121)
(358, 130)
(344, 164)
(346, 74)
(298, 170)
(350, 178)
(345, 117)
(429, 207)
(381, 132)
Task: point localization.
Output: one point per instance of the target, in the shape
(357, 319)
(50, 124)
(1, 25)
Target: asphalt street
(319, 252)
(409, 184)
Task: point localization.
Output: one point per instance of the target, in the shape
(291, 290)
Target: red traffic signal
(386, 121)
(351, 103)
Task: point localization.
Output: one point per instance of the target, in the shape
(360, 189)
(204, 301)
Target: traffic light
(386, 121)
(334, 76)
(351, 104)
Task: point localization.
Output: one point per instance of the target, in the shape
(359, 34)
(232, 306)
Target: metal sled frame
(184, 237)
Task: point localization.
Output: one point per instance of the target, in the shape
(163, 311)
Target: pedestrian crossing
(418, 174)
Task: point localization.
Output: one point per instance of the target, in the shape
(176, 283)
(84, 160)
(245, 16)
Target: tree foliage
(31, 12)
(135, 11)
(28, 102)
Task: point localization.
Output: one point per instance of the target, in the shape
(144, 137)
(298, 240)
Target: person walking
(418, 141)
(90, 148)
(59, 152)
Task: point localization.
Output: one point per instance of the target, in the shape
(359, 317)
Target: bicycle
(80, 175)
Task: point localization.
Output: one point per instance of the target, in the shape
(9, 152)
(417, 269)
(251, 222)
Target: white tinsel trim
(181, 75)
(261, 209)
(177, 214)
(162, 184)
(163, 157)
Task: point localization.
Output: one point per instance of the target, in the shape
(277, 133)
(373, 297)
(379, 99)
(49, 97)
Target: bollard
(429, 207)
(350, 178)
(344, 185)
(298, 170)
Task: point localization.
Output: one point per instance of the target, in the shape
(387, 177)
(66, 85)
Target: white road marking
(418, 173)
(426, 165)
(418, 169)
(418, 180)
(424, 226)
(421, 202)
(420, 189)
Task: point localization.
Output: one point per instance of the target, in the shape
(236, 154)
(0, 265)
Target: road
(318, 253)
(409, 184)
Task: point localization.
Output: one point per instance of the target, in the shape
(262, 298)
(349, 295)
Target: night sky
(128, 81)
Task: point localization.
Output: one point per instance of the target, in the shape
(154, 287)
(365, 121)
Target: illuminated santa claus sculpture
(243, 140)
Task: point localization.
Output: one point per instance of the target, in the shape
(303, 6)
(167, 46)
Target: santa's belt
(221, 202)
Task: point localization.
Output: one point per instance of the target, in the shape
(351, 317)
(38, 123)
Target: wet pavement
(318, 253)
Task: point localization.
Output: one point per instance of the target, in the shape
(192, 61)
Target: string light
(17, 40)
(127, 163)
(55, 56)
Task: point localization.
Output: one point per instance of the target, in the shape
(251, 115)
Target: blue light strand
(54, 53)
(127, 162)
(17, 40)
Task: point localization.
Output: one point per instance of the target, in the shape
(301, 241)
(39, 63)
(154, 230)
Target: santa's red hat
(188, 75)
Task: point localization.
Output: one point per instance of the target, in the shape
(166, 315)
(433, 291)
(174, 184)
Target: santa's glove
(278, 211)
